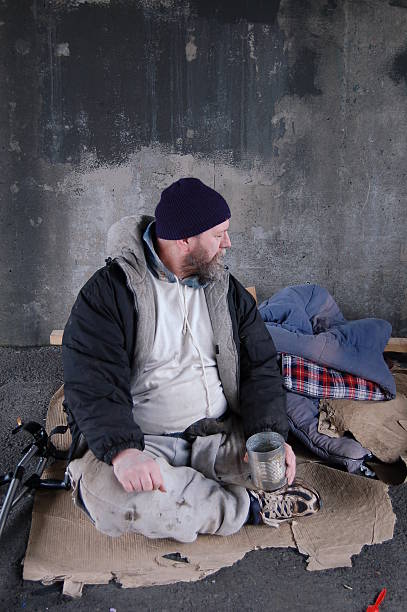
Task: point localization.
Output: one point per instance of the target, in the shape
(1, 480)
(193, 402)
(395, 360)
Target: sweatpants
(206, 485)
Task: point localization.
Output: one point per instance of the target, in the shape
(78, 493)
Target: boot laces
(277, 506)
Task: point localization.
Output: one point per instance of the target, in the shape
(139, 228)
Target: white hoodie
(180, 382)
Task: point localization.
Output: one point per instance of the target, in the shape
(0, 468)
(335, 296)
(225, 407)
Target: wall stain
(233, 11)
(134, 79)
(329, 8)
(302, 74)
(278, 130)
(398, 3)
(399, 67)
(63, 49)
(191, 49)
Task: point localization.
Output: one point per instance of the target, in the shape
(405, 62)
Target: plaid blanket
(308, 378)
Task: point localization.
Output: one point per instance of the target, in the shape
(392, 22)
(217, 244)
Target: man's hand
(137, 471)
(290, 463)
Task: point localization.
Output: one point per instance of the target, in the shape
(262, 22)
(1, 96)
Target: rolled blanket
(307, 378)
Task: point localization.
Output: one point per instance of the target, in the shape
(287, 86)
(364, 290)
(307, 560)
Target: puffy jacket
(99, 345)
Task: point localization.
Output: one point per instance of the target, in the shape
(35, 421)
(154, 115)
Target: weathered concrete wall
(294, 111)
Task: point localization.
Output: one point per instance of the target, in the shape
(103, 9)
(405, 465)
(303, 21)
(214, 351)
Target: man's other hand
(290, 463)
(137, 471)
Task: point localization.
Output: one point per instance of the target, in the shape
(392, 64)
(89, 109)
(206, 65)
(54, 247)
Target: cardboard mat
(64, 545)
(379, 426)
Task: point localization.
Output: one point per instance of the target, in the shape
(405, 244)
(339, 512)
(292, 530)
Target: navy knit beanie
(187, 208)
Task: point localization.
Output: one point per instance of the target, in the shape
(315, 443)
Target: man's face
(208, 250)
(213, 242)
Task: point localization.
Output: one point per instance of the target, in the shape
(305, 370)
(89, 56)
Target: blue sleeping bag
(303, 416)
(305, 320)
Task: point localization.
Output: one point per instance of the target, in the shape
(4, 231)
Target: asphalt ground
(274, 579)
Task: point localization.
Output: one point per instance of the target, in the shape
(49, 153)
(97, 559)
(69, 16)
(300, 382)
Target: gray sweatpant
(206, 490)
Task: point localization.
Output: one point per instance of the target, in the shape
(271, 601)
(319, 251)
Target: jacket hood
(125, 240)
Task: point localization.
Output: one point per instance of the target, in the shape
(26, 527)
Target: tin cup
(266, 454)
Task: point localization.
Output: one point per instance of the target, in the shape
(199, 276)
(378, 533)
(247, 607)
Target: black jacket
(98, 345)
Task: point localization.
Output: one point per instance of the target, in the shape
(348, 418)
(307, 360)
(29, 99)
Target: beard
(207, 271)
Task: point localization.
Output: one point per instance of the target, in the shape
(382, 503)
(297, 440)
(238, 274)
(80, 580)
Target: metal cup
(266, 454)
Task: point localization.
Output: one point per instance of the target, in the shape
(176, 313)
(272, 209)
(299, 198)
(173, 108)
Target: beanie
(187, 208)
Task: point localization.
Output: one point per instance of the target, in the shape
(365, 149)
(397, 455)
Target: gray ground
(264, 580)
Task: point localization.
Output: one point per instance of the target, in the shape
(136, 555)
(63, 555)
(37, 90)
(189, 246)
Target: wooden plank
(396, 345)
(56, 337)
(252, 291)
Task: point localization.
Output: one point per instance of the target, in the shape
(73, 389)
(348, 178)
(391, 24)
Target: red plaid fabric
(308, 378)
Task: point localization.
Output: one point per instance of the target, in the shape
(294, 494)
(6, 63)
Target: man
(168, 370)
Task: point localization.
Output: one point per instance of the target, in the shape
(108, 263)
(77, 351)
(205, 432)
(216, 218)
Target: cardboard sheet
(378, 426)
(63, 544)
(356, 511)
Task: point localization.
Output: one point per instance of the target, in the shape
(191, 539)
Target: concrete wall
(294, 111)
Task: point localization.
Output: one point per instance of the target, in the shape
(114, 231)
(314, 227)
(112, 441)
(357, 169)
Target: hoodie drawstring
(186, 326)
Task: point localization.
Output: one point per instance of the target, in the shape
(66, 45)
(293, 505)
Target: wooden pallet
(394, 345)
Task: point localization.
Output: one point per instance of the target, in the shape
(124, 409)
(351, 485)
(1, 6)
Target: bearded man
(168, 370)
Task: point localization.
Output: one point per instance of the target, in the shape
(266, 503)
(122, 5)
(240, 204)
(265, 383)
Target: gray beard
(207, 271)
